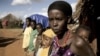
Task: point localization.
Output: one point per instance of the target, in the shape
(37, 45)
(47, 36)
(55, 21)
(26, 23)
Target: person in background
(26, 35)
(47, 37)
(34, 32)
(65, 43)
(38, 38)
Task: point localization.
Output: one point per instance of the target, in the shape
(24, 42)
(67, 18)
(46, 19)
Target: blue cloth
(39, 19)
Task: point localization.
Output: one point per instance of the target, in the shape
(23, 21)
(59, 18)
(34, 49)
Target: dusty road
(10, 42)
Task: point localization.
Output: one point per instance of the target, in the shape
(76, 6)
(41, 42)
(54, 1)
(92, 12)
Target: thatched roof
(10, 17)
(10, 21)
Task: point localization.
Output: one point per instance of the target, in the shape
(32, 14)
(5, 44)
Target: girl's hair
(40, 24)
(63, 6)
(43, 29)
(33, 21)
(29, 19)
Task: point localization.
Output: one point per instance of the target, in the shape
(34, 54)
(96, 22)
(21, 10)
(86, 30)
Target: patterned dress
(60, 51)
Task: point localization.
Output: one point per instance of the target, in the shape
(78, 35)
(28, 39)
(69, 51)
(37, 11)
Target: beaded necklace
(65, 40)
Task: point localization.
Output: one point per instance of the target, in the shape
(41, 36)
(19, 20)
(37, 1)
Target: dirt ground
(11, 42)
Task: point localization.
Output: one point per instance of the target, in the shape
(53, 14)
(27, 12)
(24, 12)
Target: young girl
(26, 37)
(38, 38)
(34, 32)
(47, 38)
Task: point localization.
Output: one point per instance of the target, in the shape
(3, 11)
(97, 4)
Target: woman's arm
(82, 48)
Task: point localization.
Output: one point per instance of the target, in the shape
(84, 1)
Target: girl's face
(39, 28)
(39, 39)
(46, 41)
(33, 25)
(27, 22)
(57, 20)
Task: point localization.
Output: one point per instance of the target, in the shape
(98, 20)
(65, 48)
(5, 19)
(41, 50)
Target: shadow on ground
(4, 41)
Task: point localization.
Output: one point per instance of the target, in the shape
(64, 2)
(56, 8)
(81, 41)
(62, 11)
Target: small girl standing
(26, 37)
(47, 37)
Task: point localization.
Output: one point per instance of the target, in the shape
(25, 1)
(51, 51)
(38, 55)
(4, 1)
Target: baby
(83, 31)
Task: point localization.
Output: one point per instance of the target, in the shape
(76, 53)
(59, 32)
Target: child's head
(39, 39)
(39, 28)
(83, 31)
(33, 24)
(28, 21)
(47, 37)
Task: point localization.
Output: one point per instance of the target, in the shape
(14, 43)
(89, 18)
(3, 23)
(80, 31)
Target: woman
(86, 14)
(66, 43)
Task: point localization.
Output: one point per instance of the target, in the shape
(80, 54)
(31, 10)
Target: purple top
(61, 51)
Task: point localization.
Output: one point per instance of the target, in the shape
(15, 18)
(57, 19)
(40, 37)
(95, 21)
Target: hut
(10, 21)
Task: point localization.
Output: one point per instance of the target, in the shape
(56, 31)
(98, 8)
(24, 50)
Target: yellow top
(43, 52)
(26, 37)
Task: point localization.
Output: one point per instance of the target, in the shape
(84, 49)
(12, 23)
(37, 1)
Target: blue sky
(25, 8)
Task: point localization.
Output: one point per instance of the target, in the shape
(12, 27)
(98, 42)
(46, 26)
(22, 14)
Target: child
(46, 42)
(34, 32)
(84, 32)
(26, 37)
(38, 38)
